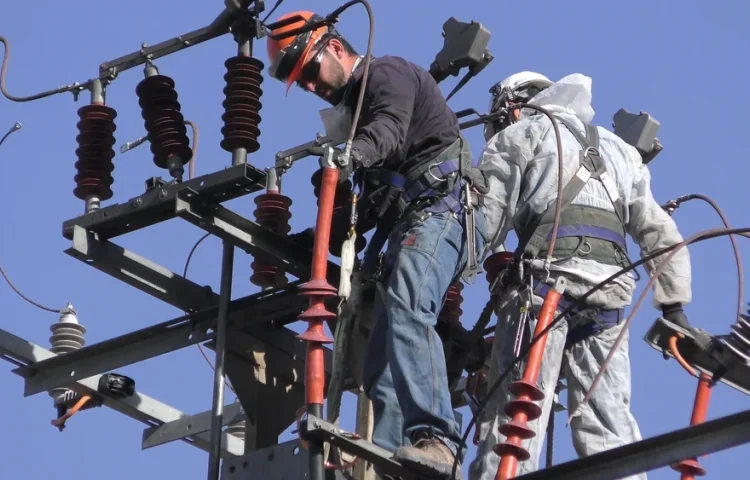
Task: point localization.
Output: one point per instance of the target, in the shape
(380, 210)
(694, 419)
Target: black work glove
(676, 315)
(305, 238)
(340, 232)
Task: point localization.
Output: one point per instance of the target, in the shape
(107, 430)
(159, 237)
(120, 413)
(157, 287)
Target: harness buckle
(429, 171)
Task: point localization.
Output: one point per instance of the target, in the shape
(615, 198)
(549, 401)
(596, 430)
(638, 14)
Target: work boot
(429, 457)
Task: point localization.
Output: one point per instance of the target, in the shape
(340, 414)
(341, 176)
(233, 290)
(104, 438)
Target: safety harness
(583, 231)
(600, 231)
(438, 186)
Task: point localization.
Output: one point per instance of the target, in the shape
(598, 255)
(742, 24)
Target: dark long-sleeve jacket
(405, 119)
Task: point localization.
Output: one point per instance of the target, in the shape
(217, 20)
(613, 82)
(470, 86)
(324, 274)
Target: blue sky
(680, 61)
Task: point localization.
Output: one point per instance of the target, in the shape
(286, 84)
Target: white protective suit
(522, 165)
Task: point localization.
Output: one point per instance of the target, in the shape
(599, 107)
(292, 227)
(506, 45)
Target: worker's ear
(336, 48)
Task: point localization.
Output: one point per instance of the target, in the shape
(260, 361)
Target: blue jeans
(404, 373)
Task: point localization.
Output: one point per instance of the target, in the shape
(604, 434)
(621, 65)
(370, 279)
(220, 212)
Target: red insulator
(242, 104)
(523, 409)
(451, 312)
(273, 213)
(343, 190)
(164, 123)
(95, 153)
(690, 468)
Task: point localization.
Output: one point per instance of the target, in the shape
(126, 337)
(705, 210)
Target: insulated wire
(558, 205)
(368, 54)
(276, 5)
(735, 247)
(17, 126)
(193, 147)
(4, 70)
(637, 306)
(698, 237)
(184, 274)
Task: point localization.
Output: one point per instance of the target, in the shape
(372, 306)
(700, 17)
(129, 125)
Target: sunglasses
(311, 71)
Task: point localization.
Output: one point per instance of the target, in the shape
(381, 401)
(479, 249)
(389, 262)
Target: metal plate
(286, 461)
(655, 452)
(157, 205)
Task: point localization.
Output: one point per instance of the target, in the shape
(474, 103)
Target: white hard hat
(523, 85)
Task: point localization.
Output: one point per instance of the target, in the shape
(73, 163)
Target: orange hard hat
(287, 55)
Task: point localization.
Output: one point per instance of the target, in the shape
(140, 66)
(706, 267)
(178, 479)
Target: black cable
(190, 255)
(15, 289)
(368, 54)
(698, 237)
(184, 274)
(4, 70)
(17, 126)
(735, 247)
(276, 5)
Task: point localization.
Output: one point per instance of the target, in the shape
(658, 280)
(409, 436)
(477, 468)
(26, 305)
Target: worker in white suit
(520, 161)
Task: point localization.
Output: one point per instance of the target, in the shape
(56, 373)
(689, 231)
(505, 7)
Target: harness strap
(591, 166)
(442, 179)
(592, 231)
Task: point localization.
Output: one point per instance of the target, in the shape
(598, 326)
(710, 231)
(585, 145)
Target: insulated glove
(676, 315)
(305, 238)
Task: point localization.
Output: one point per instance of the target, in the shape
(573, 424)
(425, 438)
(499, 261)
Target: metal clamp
(327, 160)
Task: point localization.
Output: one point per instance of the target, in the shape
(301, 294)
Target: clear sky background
(684, 62)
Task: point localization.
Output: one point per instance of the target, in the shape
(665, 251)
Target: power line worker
(521, 164)
(414, 169)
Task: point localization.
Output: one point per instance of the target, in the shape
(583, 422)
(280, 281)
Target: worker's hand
(305, 238)
(676, 315)
(340, 232)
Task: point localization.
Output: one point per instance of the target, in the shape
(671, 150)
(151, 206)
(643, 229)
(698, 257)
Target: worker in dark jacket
(411, 161)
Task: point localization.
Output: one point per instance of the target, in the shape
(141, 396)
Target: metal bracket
(317, 428)
(286, 158)
(658, 338)
(158, 204)
(248, 235)
(59, 371)
(655, 452)
(288, 461)
(140, 272)
(140, 406)
(187, 426)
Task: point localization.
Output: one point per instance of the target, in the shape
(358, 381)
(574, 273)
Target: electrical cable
(17, 126)
(368, 54)
(4, 70)
(558, 204)
(678, 356)
(273, 9)
(20, 294)
(194, 148)
(184, 275)
(735, 247)
(637, 306)
(698, 237)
